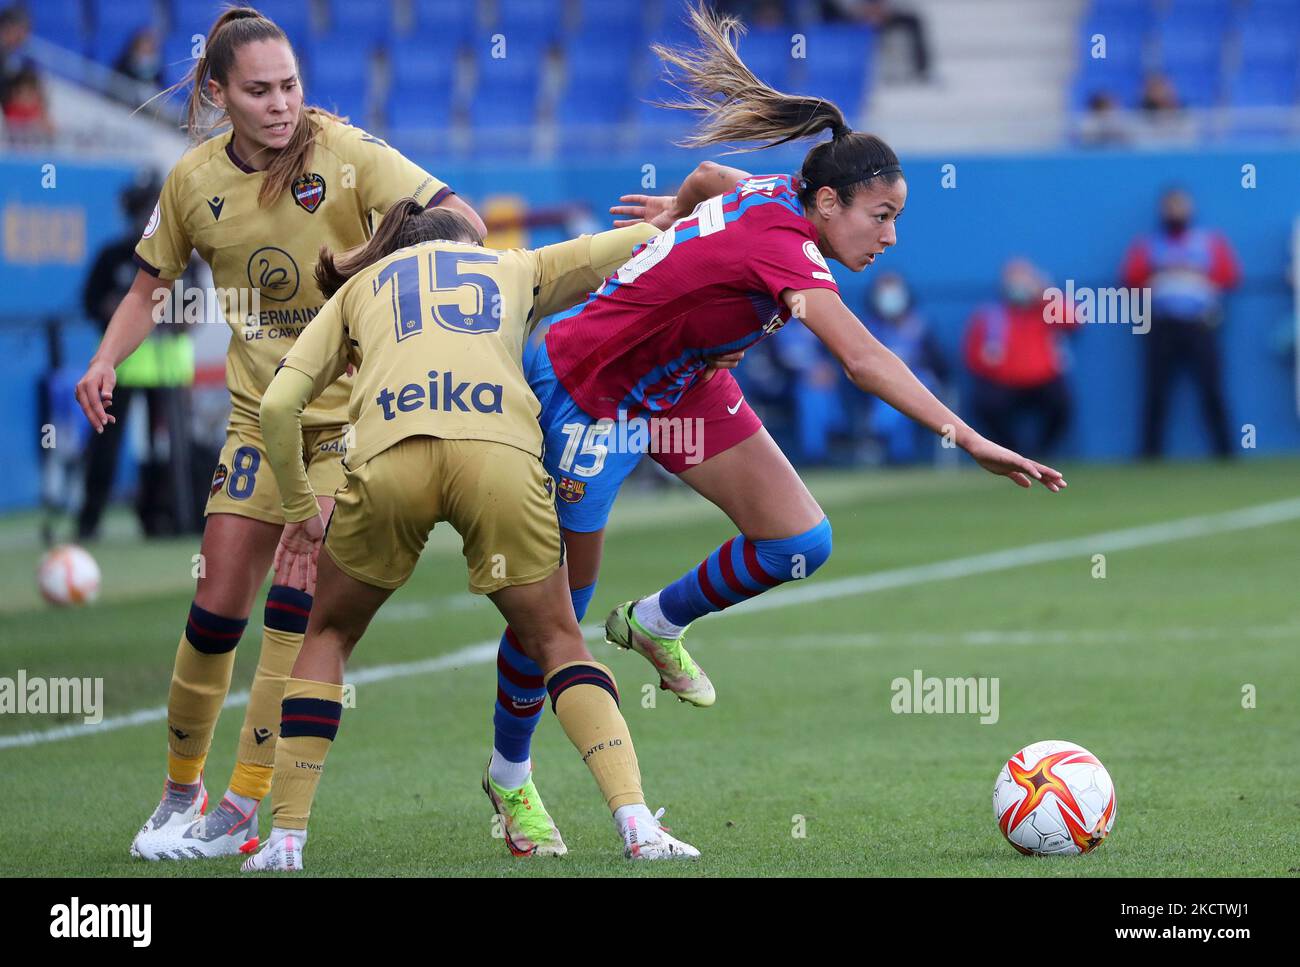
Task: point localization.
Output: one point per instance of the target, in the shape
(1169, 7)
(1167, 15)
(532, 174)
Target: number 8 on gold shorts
(244, 484)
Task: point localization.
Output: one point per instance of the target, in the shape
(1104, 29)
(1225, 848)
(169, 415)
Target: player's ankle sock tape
(741, 569)
(520, 691)
(585, 700)
(286, 609)
(308, 724)
(205, 658)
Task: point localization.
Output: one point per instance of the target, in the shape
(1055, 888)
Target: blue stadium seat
(114, 22)
(596, 51)
(839, 49)
(419, 108)
(414, 62)
(191, 17)
(1210, 14)
(503, 107)
(61, 22)
(768, 53)
(177, 56)
(538, 20)
(292, 16)
(519, 69)
(1268, 42)
(615, 18)
(338, 77)
(582, 106)
(1125, 88)
(1132, 15)
(1189, 46)
(365, 21)
(1196, 88)
(450, 22)
(1124, 43)
(1252, 87)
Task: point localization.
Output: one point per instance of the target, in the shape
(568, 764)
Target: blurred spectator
(1104, 123)
(162, 363)
(14, 30)
(893, 320)
(1187, 268)
(27, 120)
(814, 390)
(1159, 96)
(886, 18)
(1018, 365)
(141, 59)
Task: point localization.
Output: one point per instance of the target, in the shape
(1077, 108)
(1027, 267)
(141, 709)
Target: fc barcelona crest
(309, 191)
(572, 491)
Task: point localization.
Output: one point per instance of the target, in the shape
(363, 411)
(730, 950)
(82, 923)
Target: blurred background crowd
(1149, 144)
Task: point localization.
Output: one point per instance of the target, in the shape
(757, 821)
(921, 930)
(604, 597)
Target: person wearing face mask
(893, 320)
(1187, 268)
(1018, 364)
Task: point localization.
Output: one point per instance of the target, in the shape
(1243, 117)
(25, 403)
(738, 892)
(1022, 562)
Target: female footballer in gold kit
(446, 430)
(257, 204)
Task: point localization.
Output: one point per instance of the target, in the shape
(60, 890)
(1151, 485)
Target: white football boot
(223, 832)
(653, 842)
(281, 854)
(180, 806)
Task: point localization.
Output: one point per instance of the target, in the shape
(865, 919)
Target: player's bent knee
(795, 558)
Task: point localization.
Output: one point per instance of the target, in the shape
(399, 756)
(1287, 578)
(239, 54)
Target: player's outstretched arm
(281, 419)
(876, 370)
(707, 180)
(131, 324)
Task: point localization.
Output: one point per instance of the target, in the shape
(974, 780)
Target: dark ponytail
(406, 223)
(735, 105)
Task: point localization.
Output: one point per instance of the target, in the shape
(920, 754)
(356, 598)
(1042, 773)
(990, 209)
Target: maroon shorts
(714, 417)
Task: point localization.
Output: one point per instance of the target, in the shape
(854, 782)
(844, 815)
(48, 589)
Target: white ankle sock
(652, 619)
(278, 834)
(507, 774)
(635, 819)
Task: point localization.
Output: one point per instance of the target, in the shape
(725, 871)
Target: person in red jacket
(1017, 363)
(1188, 269)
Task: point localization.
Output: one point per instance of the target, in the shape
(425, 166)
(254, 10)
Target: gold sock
(205, 659)
(256, 761)
(583, 696)
(309, 722)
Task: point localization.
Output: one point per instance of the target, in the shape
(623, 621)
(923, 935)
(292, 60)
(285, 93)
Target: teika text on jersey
(483, 397)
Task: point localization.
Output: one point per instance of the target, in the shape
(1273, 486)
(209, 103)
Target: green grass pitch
(802, 768)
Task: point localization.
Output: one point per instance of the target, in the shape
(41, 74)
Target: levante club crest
(309, 191)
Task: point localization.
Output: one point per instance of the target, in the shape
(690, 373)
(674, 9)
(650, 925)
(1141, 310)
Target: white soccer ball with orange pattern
(68, 575)
(1054, 798)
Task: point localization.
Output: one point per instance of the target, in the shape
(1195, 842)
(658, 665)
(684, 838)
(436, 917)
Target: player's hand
(658, 210)
(295, 556)
(95, 394)
(1008, 463)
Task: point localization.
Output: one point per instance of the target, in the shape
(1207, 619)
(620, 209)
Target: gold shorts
(496, 497)
(244, 483)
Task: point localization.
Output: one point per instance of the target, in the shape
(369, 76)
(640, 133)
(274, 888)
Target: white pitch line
(484, 652)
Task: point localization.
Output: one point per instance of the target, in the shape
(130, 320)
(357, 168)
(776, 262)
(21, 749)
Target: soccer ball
(1054, 799)
(68, 575)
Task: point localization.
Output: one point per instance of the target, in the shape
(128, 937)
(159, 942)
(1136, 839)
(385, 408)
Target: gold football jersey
(263, 259)
(436, 332)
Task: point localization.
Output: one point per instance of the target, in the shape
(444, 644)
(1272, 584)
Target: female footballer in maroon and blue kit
(740, 256)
